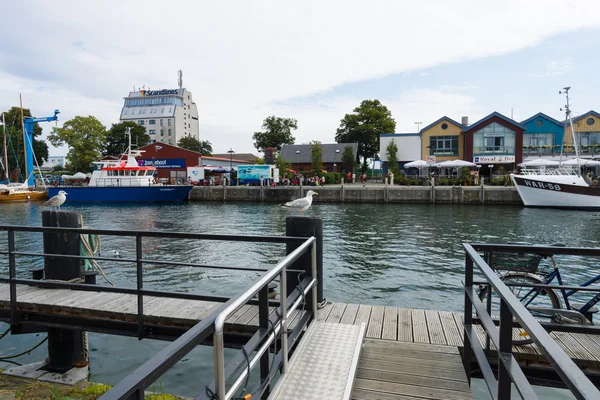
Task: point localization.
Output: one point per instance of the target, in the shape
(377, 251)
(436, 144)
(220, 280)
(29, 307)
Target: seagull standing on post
(57, 200)
(302, 204)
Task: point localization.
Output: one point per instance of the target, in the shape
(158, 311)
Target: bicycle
(543, 303)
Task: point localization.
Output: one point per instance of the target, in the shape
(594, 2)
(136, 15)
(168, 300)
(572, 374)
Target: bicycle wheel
(530, 297)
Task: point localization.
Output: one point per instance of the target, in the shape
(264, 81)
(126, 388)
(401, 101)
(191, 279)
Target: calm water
(401, 255)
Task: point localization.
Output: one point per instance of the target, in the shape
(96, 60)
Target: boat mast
(568, 114)
(5, 158)
(24, 138)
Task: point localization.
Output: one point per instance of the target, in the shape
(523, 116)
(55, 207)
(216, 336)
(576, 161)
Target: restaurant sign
(494, 159)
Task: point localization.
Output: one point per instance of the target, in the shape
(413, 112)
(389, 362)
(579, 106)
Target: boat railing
(558, 171)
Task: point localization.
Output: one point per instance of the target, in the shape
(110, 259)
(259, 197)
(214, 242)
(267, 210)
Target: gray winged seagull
(302, 204)
(57, 200)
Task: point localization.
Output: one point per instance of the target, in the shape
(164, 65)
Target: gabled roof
(542, 115)
(492, 115)
(300, 153)
(587, 114)
(162, 145)
(444, 118)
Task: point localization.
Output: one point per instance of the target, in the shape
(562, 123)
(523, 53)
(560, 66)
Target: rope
(90, 247)
(5, 333)
(28, 352)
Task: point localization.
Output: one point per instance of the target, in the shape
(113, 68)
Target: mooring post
(305, 227)
(65, 346)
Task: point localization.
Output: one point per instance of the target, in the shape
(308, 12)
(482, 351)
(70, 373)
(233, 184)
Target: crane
(29, 123)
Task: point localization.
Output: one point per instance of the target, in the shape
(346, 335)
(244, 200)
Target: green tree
(364, 125)
(85, 136)
(15, 143)
(276, 132)
(392, 156)
(316, 155)
(117, 141)
(200, 146)
(348, 158)
(259, 160)
(282, 164)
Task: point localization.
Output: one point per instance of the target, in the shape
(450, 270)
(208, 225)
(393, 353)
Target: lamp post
(334, 165)
(491, 168)
(230, 151)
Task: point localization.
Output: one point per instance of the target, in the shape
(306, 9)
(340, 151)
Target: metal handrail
(511, 307)
(278, 270)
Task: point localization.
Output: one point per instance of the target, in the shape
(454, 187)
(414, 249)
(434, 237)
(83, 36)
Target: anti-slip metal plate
(324, 365)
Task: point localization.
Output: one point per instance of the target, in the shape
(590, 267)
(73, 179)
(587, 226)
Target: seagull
(302, 204)
(57, 200)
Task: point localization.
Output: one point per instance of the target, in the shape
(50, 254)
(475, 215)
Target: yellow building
(442, 139)
(587, 129)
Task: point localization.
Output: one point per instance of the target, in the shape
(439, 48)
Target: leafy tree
(15, 143)
(282, 164)
(200, 146)
(259, 160)
(316, 155)
(277, 131)
(364, 125)
(85, 136)
(348, 158)
(392, 156)
(117, 141)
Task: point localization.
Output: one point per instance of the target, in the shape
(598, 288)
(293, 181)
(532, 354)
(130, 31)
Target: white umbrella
(588, 163)
(418, 164)
(456, 164)
(538, 162)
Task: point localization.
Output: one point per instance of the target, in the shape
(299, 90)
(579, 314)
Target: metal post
(263, 325)
(284, 324)
(219, 349)
(504, 381)
(11, 276)
(140, 285)
(313, 274)
(468, 317)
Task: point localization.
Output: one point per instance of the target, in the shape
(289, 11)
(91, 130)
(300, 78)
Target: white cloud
(242, 60)
(558, 67)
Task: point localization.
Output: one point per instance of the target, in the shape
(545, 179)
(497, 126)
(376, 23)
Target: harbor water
(401, 255)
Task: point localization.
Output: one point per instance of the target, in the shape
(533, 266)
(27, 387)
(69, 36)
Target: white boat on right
(558, 184)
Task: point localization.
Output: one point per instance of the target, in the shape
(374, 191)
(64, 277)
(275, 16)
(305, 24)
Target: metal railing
(133, 386)
(513, 313)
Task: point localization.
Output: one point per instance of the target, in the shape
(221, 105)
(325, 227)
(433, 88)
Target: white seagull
(57, 200)
(302, 204)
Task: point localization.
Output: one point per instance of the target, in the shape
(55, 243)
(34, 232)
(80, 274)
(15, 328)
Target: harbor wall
(362, 194)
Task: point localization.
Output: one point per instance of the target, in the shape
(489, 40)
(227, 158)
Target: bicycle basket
(514, 261)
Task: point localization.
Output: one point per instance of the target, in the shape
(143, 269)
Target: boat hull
(544, 191)
(23, 196)
(147, 194)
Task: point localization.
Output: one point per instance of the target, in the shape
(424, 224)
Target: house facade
(442, 140)
(299, 155)
(543, 136)
(409, 148)
(587, 131)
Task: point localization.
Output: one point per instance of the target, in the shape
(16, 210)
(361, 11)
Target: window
(169, 132)
(170, 141)
(538, 139)
(141, 122)
(169, 122)
(152, 122)
(590, 121)
(152, 132)
(443, 145)
(494, 139)
(588, 138)
(444, 126)
(161, 122)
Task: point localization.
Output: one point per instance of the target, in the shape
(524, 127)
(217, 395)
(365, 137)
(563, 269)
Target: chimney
(465, 121)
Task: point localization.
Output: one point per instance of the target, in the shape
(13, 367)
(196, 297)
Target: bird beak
(316, 193)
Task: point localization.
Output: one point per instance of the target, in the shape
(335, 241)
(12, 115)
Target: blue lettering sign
(163, 163)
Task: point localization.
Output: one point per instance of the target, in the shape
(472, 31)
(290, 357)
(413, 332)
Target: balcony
(494, 150)
(554, 150)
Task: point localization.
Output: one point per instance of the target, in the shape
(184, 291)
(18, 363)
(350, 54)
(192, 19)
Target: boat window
(121, 173)
(133, 173)
(126, 173)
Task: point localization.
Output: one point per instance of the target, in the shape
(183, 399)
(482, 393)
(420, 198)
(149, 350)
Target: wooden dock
(408, 353)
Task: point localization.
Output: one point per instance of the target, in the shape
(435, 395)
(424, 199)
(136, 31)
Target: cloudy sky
(311, 60)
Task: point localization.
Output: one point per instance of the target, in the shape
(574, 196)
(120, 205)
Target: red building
(172, 161)
(495, 142)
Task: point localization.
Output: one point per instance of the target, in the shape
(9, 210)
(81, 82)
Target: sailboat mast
(568, 114)
(24, 138)
(5, 150)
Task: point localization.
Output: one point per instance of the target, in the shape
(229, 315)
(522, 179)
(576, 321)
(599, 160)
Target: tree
(392, 156)
(117, 141)
(259, 160)
(316, 155)
(200, 146)
(282, 164)
(364, 125)
(85, 136)
(348, 158)
(15, 143)
(277, 131)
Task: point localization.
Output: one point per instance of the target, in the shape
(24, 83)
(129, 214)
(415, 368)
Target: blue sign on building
(163, 163)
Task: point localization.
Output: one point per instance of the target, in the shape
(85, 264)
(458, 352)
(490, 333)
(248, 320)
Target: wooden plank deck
(391, 324)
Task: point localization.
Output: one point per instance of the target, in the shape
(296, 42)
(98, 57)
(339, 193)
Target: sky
(312, 60)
